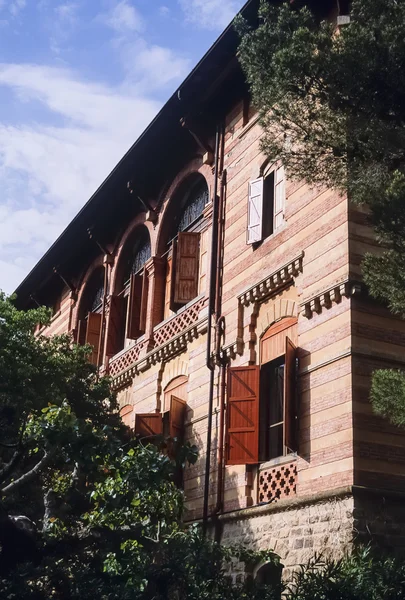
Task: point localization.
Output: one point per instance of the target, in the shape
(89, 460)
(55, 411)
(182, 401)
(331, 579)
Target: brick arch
(280, 309)
(121, 246)
(194, 167)
(175, 368)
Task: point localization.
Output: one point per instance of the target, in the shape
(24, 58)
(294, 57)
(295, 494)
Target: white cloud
(67, 12)
(211, 14)
(164, 11)
(16, 6)
(47, 173)
(123, 18)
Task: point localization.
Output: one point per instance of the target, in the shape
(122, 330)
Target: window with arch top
(186, 256)
(127, 316)
(90, 317)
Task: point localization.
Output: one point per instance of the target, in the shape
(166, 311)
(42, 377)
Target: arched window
(262, 417)
(89, 323)
(186, 256)
(127, 315)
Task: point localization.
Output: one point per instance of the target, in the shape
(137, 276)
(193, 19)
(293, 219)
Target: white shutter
(279, 197)
(255, 211)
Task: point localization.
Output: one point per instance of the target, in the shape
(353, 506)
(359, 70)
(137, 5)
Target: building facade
(225, 301)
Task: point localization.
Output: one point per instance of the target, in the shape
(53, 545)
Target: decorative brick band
(272, 283)
(327, 299)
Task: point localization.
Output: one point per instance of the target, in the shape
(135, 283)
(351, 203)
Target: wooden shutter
(177, 417)
(290, 412)
(93, 333)
(168, 288)
(243, 416)
(186, 267)
(115, 324)
(144, 301)
(133, 330)
(279, 197)
(148, 425)
(255, 211)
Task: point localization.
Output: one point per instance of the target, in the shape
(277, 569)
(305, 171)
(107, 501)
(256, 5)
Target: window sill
(276, 462)
(248, 126)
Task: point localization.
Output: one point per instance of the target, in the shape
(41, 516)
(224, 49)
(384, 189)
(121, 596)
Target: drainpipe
(222, 361)
(211, 306)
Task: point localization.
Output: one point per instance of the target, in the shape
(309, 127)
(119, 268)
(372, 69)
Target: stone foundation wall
(293, 529)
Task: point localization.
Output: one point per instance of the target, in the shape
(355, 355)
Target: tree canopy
(332, 106)
(87, 510)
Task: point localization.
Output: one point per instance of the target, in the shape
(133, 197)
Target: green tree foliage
(332, 105)
(86, 510)
(361, 576)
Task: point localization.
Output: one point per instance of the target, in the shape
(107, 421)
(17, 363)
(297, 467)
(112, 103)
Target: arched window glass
(139, 252)
(195, 201)
(141, 255)
(98, 297)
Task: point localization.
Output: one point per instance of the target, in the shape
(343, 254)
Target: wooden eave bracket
(195, 131)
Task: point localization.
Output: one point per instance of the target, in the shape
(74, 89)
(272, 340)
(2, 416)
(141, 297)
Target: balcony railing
(163, 334)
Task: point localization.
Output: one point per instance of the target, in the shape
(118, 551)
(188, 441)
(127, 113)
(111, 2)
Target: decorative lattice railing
(277, 483)
(124, 360)
(163, 333)
(169, 329)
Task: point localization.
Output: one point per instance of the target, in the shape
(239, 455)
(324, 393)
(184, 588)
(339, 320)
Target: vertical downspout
(211, 306)
(221, 331)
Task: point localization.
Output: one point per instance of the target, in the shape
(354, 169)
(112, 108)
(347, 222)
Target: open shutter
(255, 211)
(186, 267)
(177, 417)
(148, 425)
(168, 288)
(134, 307)
(93, 334)
(243, 416)
(144, 301)
(290, 412)
(114, 324)
(279, 197)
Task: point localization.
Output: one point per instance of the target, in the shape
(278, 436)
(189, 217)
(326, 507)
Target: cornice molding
(331, 296)
(272, 283)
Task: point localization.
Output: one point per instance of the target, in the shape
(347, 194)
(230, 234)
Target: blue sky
(79, 81)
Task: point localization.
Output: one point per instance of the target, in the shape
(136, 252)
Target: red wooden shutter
(243, 416)
(144, 301)
(290, 413)
(134, 307)
(186, 267)
(168, 288)
(148, 425)
(255, 211)
(177, 417)
(93, 334)
(114, 324)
